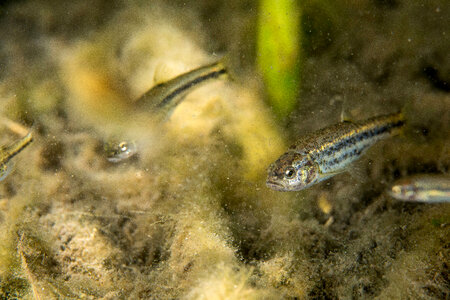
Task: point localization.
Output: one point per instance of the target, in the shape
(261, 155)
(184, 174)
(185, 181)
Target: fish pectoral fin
(325, 176)
(357, 172)
(5, 169)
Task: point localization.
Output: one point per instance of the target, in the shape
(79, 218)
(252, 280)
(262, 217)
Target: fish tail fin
(398, 121)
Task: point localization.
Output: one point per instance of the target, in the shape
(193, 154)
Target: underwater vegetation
(279, 52)
(177, 206)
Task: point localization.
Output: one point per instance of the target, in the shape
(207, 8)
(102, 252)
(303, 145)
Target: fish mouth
(275, 186)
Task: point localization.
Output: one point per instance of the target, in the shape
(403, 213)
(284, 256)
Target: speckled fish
(422, 188)
(8, 152)
(162, 99)
(329, 151)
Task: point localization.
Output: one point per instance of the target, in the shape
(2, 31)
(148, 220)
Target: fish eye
(289, 173)
(123, 146)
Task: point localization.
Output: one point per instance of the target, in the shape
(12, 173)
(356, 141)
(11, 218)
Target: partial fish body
(8, 152)
(162, 99)
(329, 151)
(422, 188)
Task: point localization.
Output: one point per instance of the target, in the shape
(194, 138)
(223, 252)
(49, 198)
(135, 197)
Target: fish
(119, 151)
(8, 152)
(425, 188)
(162, 99)
(320, 155)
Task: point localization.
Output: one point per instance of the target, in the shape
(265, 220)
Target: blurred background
(189, 216)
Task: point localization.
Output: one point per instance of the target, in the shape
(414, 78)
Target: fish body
(8, 152)
(422, 188)
(162, 99)
(329, 151)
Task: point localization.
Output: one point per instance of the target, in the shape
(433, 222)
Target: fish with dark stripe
(161, 100)
(164, 97)
(8, 152)
(329, 151)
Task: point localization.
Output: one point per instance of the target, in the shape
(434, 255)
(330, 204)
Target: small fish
(118, 151)
(162, 99)
(328, 151)
(422, 188)
(8, 152)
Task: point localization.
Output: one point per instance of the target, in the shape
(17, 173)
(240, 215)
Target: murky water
(188, 214)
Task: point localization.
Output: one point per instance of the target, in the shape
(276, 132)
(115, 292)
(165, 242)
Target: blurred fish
(422, 188)
(8, 152)
(162, 99)
(118, 151)
(329, 151)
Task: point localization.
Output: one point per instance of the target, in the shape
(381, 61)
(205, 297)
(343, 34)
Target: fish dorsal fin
(345, 117)
(165, 71)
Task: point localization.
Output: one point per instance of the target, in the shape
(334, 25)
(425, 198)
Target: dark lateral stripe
(190, 84)
(352, 141)
(365, 134)
(17, 151)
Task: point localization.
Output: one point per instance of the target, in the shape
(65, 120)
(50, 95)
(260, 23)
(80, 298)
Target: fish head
(293, 171)
(403, 190)
(119, 151)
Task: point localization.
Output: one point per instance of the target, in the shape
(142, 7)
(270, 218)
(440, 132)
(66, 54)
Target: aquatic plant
(279, 53)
